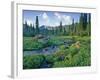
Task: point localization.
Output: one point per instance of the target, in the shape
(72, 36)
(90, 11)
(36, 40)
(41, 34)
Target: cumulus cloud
(57, 15)
(65, 18)
(46, 18)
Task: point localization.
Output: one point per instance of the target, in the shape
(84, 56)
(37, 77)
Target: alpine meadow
(54, 39)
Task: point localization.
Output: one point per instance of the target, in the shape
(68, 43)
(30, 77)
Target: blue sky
(50, 18)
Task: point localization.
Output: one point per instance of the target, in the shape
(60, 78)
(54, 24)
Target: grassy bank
(77, 54)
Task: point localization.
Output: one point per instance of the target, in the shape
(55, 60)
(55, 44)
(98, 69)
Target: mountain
(42, 27)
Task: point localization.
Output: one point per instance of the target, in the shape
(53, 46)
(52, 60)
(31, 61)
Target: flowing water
(48, 50)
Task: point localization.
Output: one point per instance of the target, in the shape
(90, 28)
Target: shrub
(73, 50)
(60, 55)
(59, 64)
(32, 44)
(65, 63)
(33, 61)
(77, 54)
(83, 57)
(62, 47)
(49, 59)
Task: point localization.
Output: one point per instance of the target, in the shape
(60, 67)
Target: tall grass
(77, 54)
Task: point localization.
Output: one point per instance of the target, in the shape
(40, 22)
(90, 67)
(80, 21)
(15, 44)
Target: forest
(46, 46)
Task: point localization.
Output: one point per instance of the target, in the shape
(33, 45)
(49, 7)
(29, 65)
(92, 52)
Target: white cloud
(64, 18)
(45, 16)
(67, 19)
(57, 15)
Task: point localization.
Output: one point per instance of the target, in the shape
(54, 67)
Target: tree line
(81, 28)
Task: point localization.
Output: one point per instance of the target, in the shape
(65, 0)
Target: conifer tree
(37, 25)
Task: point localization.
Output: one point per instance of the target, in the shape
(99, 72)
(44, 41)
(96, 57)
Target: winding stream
(48, 50)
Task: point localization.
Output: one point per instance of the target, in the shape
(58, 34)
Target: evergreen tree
(30, 30)
(26, 26)
(69, 29)
(56, 31)
(64, 32)
(73, 27)
(25, 29)
(77, 28)
(53, 31)
(81, 24)
(33, 29)
(89, 24)
(60, 27)
(84, 21)
(37, 25)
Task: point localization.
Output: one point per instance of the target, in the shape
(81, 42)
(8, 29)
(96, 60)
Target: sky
(50, 18)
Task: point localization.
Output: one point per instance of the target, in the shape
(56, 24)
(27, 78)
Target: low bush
(77, 54)
(33, 61)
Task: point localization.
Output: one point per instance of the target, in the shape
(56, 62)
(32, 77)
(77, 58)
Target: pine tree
(25, 29)
(89, 24)
(64, 32)
(37, 25)
(77, 28)
(69, 29)
(81, 24)
(30, 30)
(73, 27)
(60, 27)
(84, 21)
(26, 25)
(33, 29)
